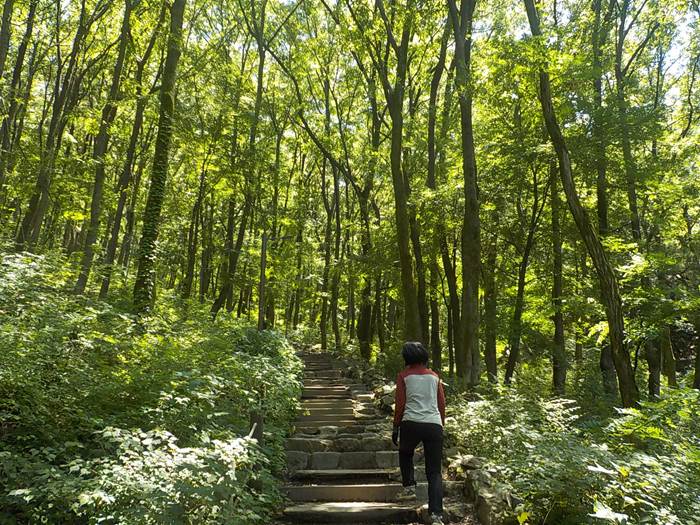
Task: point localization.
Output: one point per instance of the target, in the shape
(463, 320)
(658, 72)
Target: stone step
(346, 475)
(330, 403)
(352, 512)
(335, 423)
(325, 393)
(346, 443)
(330, 416)
(329, 411)
(385, 492)
(328, 460)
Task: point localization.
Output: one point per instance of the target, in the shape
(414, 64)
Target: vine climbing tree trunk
(144, 287)
(610, 291)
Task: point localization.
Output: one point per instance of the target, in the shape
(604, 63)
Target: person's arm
(399, 400)
(441, 401)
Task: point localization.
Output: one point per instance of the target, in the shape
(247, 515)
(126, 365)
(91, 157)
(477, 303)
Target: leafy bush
(105, 418)
(642, 467)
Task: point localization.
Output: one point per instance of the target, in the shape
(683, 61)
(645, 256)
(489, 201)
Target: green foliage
(106, 419)
(642, 467)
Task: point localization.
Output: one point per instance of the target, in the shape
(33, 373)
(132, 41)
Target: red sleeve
(400, 399)
(441, 401)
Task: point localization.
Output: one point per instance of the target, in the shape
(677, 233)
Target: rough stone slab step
(352, 512)
(329, 411)
(345, 475)
(332, 404)
(385, 492)
(343, 388)
(335, 423)
(316, 395)
(328, 416)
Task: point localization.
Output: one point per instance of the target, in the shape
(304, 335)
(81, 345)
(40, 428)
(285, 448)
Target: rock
(497, 506)
(297, 460)
(386, 402)
(454, 512)
(470, 462)
(325, 460)
(328, 431)
(451, 452)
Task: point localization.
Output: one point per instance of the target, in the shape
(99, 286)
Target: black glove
(395, 436)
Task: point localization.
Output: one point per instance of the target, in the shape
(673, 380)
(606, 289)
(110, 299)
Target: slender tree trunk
(490, 309)
(667, 357)
(395, 96)
(128, 165)
(431, 183)
(109, 112)
(193, 236)
(516, 326)
(5, 33)
(559, 361)
(598, 39)
(653, 358)
(144, 287)
(467, 359)
(610, 292)
(6, 134)
(65, 93)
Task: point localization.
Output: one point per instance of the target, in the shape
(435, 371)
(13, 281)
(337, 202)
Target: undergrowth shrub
(108, 419)
(639, 466)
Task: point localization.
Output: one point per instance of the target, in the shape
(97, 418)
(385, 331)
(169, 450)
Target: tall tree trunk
(193, 236)
(65, 94)
(598, 39)
(5, 33)
(412, 322)
(128, 165)
(327, 251)
(6, 134)
(109, 112)
(516, 326)
(467, 359)
(610, 292)
(490, 309)
(144, 287)
(559, 361)
(431, 183)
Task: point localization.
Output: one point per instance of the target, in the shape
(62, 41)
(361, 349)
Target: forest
(192, 190)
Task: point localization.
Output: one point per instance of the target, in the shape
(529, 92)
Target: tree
(610, 292)
(144, 287)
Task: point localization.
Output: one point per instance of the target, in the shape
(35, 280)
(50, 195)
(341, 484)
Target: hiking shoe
(407, 493)
(436, 519)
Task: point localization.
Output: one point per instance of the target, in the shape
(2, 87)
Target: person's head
(414, 353)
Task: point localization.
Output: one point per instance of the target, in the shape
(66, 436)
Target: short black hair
(414, 353)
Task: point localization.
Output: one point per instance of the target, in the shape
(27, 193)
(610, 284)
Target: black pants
(430, 435)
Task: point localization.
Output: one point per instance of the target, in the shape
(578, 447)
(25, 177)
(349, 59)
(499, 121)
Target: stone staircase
(342, 465)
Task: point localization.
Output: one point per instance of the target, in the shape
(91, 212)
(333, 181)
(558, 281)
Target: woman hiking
(419, 417)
